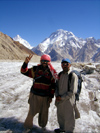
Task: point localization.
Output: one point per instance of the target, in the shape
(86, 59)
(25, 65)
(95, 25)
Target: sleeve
(53, 86)
(56, 85)
(27, 71)
(56, 89)
(73, 85)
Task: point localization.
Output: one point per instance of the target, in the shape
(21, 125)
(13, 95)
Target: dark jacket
(43, 83)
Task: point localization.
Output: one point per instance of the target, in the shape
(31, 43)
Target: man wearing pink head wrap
(42, 90)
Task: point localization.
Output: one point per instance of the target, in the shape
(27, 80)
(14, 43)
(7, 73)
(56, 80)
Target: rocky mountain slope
(62, 44)
(13, 50)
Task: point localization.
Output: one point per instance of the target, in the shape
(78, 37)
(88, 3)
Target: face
(44, 63)
(65, 66)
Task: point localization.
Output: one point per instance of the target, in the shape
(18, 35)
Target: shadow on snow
(15, 126)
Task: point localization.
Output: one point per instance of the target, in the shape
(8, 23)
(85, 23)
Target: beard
(65, 69)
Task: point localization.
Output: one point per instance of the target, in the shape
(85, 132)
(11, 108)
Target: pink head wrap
(53, 71)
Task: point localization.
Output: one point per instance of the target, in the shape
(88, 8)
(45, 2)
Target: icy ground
(14, 92)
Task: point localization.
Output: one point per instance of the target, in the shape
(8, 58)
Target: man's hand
(58, 98)
(50, 100)
(28, 58)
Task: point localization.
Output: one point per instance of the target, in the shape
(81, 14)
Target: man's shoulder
(60, 73)
(73, 75)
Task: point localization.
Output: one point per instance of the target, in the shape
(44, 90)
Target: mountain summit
(64, 44)
(22, 41)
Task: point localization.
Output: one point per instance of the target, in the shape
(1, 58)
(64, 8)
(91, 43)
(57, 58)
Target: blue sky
(35, 20)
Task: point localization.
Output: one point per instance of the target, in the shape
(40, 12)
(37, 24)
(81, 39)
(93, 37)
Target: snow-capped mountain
(22, 41)
(63, 36)
(62, 44)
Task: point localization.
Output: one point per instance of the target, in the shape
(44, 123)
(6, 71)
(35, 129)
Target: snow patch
(14, 93)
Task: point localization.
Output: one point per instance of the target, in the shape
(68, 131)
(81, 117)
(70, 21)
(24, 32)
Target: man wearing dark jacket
(42, 90)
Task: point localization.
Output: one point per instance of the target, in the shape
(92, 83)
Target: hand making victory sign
(28, 58)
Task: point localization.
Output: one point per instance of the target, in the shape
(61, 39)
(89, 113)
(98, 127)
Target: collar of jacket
(66, 72)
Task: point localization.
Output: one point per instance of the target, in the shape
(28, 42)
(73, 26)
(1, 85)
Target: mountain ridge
(67, 45)
(60, 44)
(13, 50)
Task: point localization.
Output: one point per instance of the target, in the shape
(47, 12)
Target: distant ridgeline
(62, 44)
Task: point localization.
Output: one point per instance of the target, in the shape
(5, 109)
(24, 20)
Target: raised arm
(25, 70)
